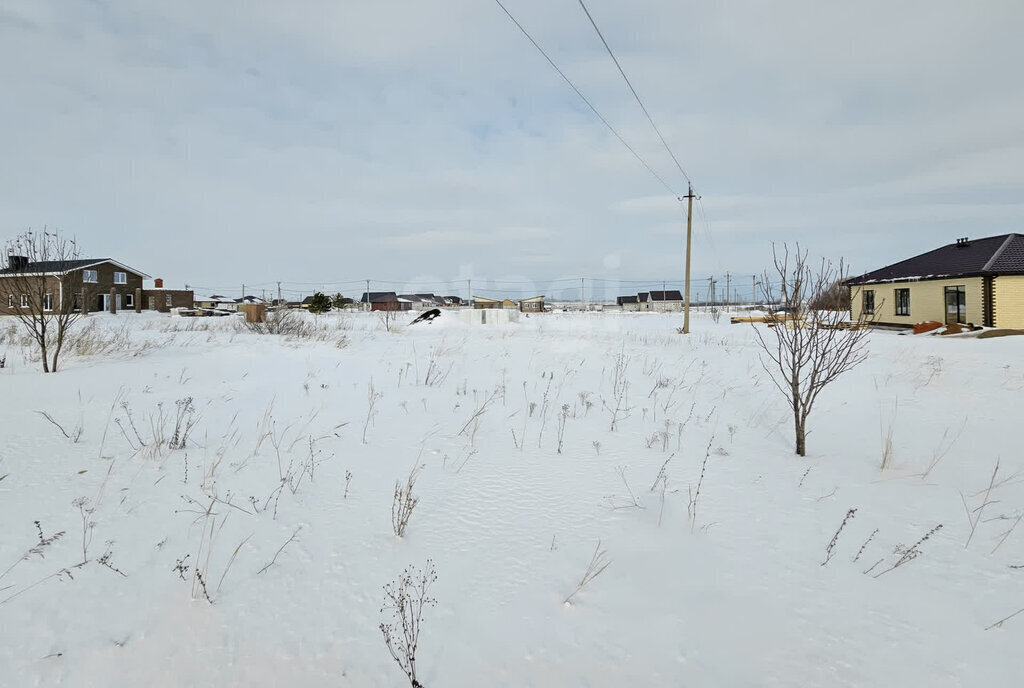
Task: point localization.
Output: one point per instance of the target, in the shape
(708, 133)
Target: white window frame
(10, 300)
(120, 278)
(168, 300)
(47, 302)
(90, 276)
(129, 300)
(24, 300)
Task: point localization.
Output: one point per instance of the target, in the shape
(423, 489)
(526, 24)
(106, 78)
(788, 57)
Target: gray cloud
(221, 142)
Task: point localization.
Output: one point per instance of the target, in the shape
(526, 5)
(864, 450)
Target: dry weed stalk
(406, 598)
(830, 549)
(691, 508)
(404, 502)
(632, 502)
(475, 418)
(887, 425)
(280, 549)
(999, 624)
(974, 515)
(620, 391)
(372, 397)
(562, 418)
(74, 435)
(945, 445)
(38, 549)
(595, 568)
(865, 545)
(908, 554)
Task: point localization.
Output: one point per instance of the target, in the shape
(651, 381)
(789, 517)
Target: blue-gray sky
(321, 141)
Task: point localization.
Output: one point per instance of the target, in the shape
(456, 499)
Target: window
(24, 300)
(10, 300)
(120, 278)
(129, 300)
(869, 302)
(90, 276)
(47, 302)
(168, 300)
(902, 301)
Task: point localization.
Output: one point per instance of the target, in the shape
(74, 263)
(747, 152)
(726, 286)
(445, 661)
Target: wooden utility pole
(278, 293)
(689, 236)
(727, 290)
(469, 292)
(753, 289)
(583, 298)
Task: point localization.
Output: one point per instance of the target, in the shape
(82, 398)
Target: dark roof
(63, 266)
(997, 255)
(453, 299)
(626, 299)
(642, 296)
(670, 295)
(378, 296)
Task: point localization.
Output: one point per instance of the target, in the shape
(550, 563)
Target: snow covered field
(715, 531)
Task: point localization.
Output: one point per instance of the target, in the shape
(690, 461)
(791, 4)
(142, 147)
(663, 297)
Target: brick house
(384, 301)
(163, 300)
(979, 281)
(87, 284)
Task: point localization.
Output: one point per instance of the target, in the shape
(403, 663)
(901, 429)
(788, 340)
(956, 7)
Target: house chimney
(17, 262)
(963, 242)
(158, 283)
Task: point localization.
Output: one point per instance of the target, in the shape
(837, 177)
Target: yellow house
(979, 281)
(482, 302)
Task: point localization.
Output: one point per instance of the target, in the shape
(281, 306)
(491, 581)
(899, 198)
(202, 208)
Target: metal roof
(997, 255)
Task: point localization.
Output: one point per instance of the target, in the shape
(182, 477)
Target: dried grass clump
(294, 326)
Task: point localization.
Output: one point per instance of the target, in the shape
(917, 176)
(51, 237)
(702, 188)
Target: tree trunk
(801, 438)
(798, 421)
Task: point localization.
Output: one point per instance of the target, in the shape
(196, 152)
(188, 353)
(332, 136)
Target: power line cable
(635, 94)
(587, 101)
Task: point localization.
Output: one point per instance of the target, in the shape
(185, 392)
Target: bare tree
(44, 289)
(388, 318)
(809, 348)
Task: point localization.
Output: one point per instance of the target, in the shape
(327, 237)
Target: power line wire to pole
(635, 94)
(585, 99)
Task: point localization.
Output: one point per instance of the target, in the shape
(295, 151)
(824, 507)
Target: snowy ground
(734, 594)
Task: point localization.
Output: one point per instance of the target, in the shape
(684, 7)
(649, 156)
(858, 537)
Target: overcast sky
(318, 142)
